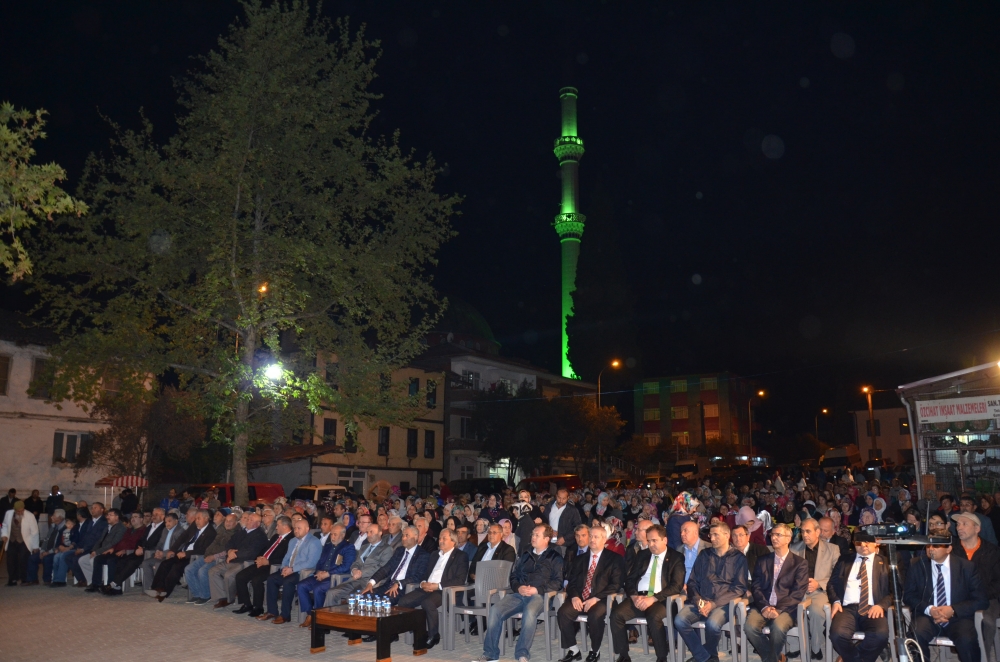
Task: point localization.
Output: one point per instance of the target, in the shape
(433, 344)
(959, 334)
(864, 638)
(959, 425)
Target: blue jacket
(91, 533)
(718, 579)
(328, 559)
(308, 555)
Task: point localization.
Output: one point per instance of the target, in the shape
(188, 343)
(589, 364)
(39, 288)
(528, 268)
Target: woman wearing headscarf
(868, 516)
(787, 514)
(748, 518)
(482, 529)
(508, 533)
(682, 510)
(493, 510)
(616, 535)
(606, 507)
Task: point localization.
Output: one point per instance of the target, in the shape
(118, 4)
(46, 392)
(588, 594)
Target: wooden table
(383, 626)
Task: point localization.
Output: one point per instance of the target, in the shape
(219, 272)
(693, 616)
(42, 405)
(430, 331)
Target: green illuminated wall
(569, 222)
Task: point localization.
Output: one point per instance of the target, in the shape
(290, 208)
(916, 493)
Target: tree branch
(192, 309)
(191, 368)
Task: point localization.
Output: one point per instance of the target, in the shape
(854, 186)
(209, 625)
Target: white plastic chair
(800, 632)
(492, 577)
(860, 636)
(737, 619)
(945, 642)
(582, 619)
(544, 616)
(642, 624)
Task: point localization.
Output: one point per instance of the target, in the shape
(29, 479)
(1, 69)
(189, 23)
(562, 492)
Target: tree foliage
(28, 192)
(270, 221)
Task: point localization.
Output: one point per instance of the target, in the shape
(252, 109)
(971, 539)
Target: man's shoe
(570, 656)
(161, 598)
(29, 583)
(435, 640)
(794, 655)
(483, 658)
(306, 623)
(202, 601)
(623, 658)
(113, 591)
(12, 583)
(266, 617)
(81, 584)
(93, 588)
(151, 593)
(368, 638)
(225, 603)
(191, 600)
(242, 610)
(57, 584)
(279, 621)
(254, 613)
(593, 656)
(818, 655)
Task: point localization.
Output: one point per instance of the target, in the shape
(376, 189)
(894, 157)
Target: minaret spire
(569, 222)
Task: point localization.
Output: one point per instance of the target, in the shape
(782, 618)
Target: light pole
(868, 390)
(760, 394)
(823, 411)
(615, 363)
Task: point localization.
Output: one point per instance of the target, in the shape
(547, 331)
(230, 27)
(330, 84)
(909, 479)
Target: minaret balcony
(569, 226)
(568, 147)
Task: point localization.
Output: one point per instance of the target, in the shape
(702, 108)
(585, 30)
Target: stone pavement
(42, 623)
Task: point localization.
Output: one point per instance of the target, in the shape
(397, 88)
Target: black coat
(504, 553)
(879, 580)
(754, 552)
(608, 577)
(671, 574)
(252, 544)
(416, 571)
(455, 571)
(572, 561)
(542, 571)
(987, 562)
(793, 582)
(968, 591)
(152, 538)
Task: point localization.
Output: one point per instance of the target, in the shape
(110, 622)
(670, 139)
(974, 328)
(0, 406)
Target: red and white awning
(122, 481)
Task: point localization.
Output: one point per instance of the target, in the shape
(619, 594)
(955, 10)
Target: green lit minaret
(569, 222)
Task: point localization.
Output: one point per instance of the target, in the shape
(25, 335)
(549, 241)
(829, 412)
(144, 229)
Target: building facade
(892, 434)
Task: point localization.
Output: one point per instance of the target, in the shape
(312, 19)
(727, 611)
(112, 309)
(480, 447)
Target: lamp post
(823, 411)
(868, 390)
(615, 363)
(760, 394)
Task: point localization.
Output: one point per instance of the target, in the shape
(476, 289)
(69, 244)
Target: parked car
(318, 493)
(620, 484)
(258, 492)
(655, 482)
(550, 484)
(840, 458)
(474, 486)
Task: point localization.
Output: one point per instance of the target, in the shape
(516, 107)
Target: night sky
(804, 193)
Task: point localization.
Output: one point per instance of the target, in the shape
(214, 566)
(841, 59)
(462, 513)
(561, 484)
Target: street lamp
(274, 372)
(868, 390)
(615, 363)
(760, 394)
(823, 411)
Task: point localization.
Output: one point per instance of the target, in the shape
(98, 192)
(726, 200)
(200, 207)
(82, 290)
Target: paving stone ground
(42, 623)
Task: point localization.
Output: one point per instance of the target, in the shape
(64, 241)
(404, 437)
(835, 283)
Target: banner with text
(959, 409)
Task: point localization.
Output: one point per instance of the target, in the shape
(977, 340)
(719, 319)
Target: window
(904, 425)
(332, 375)
(329, 431)
(650, 414)
(681, 438)
(465, 428)
(40, 383)
(470, 379)
(411, 442)
(712, 435)
(383, 441)
(4, 373)
(679, 386)
(428, 443)
(736, 438)
(678, 412)
(414, 386)
(467, 471)
(652, 438)
(709, 384)
(650, 388)
(878, 428)
(424, 481)
(711, 411)
(111, 386)
(67, 445)
(350, 440)
(432, 394)
(352, 480)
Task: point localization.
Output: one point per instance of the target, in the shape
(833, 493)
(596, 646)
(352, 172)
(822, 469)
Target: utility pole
(868, 390)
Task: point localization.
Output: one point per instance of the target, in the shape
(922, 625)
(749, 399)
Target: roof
(978, 379)
(432, 357)
(289, 453)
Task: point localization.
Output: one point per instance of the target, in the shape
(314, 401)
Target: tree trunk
(241, 495)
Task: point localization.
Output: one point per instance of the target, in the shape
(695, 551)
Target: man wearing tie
(657, 574)
(254, 575)
(336, 559)
(944, 592)
(450, 568)
(373, 555)
(780, 580)
(197, 540)
(859, 595)
(588, 594)
(300, 559)
(408, 565)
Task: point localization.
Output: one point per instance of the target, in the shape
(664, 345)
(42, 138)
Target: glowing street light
(760, 394)
(274, 372)
(263, 288)
(868, 390)
(823, 411)
(615, 363)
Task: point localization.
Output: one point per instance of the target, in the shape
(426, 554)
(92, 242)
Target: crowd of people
(774, 544)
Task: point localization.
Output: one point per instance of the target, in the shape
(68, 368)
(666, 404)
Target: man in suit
(407, 565)
(300, 560)
(821, 557)
(394, 537)
(691, 547)
(373, 555)
(194, 543)
(575, 551)
(45, 554)
(492, 549)
(986, 558)
(253, 576)
(336, 559)
(114, 532)
(855, 575)
(462, 534)
(602, 575)
(196, 573)
(657, 574)
(169, 542)
(130, 563)
(91, 533)
(719, 576)
(563, 518)
(450, 568)
(427, 540)
(740, 539)
(637, 545)
(243, 549)
(944, 592)
(828, 533)
(780, 581)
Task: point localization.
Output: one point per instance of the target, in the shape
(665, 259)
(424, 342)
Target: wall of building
(28, 428)
(289, 474)
(892, 434)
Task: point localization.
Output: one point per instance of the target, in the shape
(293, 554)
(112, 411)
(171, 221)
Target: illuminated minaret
(569, 222)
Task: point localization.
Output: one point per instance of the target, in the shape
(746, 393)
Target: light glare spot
(273, 372)
(696, 279)
(772, 146)
(842, 45)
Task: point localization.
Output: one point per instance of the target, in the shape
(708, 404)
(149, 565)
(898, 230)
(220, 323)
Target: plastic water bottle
(386, 605)
(367, 602)
(352, 603)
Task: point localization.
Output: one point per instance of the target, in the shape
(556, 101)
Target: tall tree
(28, 192)
(270, 216)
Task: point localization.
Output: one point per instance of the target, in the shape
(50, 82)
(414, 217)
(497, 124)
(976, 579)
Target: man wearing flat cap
(859, 596)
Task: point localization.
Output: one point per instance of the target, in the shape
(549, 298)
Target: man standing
(821, 557)
(986, 558)
(114, 532)
(859, 593)
(54, 502)
(538, 571)
(254, 575)
(588, 593)
(657, 574)
(944, 592)
(45, 554)
(562, 518)
(170, 501)
(450, 569)
(34, 504)
(719, 576)
(7, 503)
(302, 556)
(20, 539)
(336, 559)
(780, 581)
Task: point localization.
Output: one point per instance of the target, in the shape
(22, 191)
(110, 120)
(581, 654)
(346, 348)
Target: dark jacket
(754, 552)
(504, 552)
(879, 580)
(455, 570)
(671, 573)
(429, 545)
(278, 555)
(568, 521)
(793, 582)
(150, 538)
(841, 542)
(631, 552)
(238, 535)
(221, 542)
(53, 503)
(34, 505)
(608, 576)
(91, 533)
(543, 571)
(416, 571)
(252, 545)
(52, 540)
(328, 559)
(968, 591)
(987, 562)
(202, 542)
(571, 561)
(719, 579)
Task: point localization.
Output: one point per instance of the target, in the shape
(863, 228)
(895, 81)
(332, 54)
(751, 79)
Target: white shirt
(190, 546)
(405, 563)
(852, 592)
(153, 526)
(490, 549)
(323, 538)
(555, 512)
(946, 571)
(438, 571)
(360, 541)
(643, 586)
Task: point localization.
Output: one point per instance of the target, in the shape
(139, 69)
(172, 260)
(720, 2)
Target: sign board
(979, 408)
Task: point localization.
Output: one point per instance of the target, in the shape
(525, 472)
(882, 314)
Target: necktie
(402, 564)
(368, 551)
(942, 595)
(774, 584)
(863, 578)
(267, 554)
(195, 539)
(590, 579)
(291, 561)
(651, 591)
